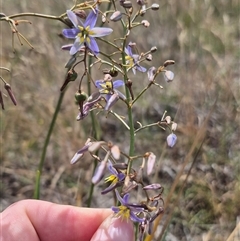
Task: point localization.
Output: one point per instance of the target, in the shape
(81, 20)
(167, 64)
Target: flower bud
(174, 126)
(116, 16)
(151, 73)
(168, 62)
(99, 172)
(168, 75)
(10, 93)
(171, 140)
(95, 146)
(115, 151)
(153, 49)
(145, 23)
(80, 13)
(2, 15)
(150, 163)
(168, 119)
(153, 186)
(149, 57)
(127, 4)
(155, 6)
(104, 19)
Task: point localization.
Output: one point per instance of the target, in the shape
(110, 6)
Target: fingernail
(114, 229)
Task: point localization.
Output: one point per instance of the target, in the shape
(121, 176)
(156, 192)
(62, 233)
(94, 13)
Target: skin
(44, 221)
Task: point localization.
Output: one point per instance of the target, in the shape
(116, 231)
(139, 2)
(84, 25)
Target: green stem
(46, 143)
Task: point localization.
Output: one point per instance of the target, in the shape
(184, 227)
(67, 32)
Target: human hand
(34, 220)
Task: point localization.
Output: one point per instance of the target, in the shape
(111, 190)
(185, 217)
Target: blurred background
(203, 37)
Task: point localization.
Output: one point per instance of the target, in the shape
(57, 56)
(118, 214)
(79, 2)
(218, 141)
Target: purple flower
(108, 89)
(133, 60)
(128, 210)
(116, 178)
(171, 139)
(84, 33)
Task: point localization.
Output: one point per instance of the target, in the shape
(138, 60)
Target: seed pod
(116, 16)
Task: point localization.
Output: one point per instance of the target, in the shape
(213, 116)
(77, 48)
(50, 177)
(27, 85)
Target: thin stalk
(46, 143)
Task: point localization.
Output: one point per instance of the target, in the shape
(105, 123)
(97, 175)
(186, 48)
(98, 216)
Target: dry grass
(203, 38)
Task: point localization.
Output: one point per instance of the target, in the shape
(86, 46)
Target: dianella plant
(99, 38)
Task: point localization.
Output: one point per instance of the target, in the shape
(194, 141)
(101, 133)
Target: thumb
(114, 229)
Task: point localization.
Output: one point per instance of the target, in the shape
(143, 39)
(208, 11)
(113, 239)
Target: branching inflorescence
(122, 58)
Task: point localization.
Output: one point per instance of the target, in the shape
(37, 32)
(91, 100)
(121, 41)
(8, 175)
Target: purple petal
(100, 32)
(112, 169)
(99, 172)
(74, 19)
(70, 33)
(93, 45)
(135, 218)
(128, 51)
(171, 140)
(115, 209)
(112, 100)
(98, 83)
(141, 69)
(118, 83)
(120, 199)
(120, 176)
(76, 157)
(76, 46)
(67, 47)
(122, 96)
(91, 19)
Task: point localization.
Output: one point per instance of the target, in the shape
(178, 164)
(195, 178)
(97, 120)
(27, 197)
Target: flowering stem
(46, 143)
(130, 116)
(59, 18)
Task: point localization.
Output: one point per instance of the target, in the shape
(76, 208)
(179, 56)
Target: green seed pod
(80, 97)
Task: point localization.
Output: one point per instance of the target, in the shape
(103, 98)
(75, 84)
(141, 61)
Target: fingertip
(114, 229)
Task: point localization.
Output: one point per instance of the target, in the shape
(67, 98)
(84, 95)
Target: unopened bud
(10, 93)
(151, 73)
(81, 13)
(127, 4)
(149, 57)
(145, 23)
(115, 151)
(169, 76)
(168, 119)
(153, 186)
(155, 6)
(174, 126)
(168, 62)
(171, 140)
(116, 16)
(153, 49)
(95, 146)
(104, 19)
(150, 163)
